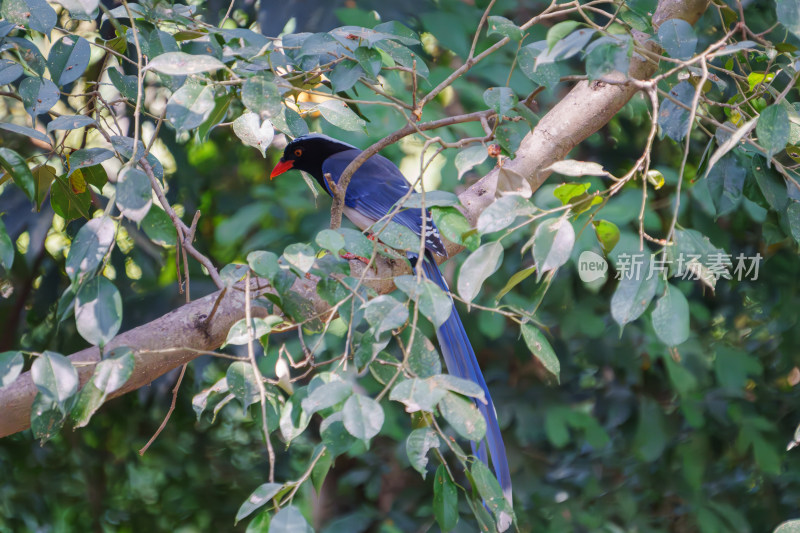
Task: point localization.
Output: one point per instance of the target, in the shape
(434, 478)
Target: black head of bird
(307, 153)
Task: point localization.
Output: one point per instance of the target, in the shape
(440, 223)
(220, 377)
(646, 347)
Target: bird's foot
(349, 256)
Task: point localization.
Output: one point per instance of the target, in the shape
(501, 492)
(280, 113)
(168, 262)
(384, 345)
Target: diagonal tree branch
(184, 334)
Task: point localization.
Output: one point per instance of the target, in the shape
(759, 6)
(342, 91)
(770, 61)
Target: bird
(374, 189)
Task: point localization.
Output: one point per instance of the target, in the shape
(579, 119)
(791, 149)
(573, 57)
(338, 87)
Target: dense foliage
(635, 316)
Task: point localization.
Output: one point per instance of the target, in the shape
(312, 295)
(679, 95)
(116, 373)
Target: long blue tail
(461, 362)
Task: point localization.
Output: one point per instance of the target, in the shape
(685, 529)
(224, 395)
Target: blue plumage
(373, 190)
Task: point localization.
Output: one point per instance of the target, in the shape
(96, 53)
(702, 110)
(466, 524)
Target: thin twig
(261, 391)
(169, 412)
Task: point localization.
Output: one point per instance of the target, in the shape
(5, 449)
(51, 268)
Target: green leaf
(369, 59)
(261, 96)
(673, 118)
(334, 435)
(124, 145)
(469, 157)
(633, 293)
(505, 210)
(109, 375)
(10, 367)
(90, 246)
(726, 184)
(10, 71)
(34, 14)
(455, 227)
(29, 54)
(545, 75)
(26, 131)
(788, 13)
(88, 157)
(560, 30)
(68, 59)
(433, 302)
(552, 244)
(289, 520)
(677, 37)
(126, 85)
(480, 264)
(773, 130)
(362, 416)
(792, 215)
(158, 226)
(66, 203)
(754, 79)
(70, 122)
(257, 499)
(607, 234)
(321, 469)
(790, 526)
(567, 191)
(418, 443)
(500, 99)
(181, 63)
(190, 106)
(541, 349)
(464, 416)
(134, 195)
(607, 55)
(98, 311)
(39, 95)
(730, 143)
(461, 386)
(423, 359)
(6, 248)
(238, 334)
(566, 47)
(340, 115)
(345, 75)
(385, 313)
(417, 395)
(515, 280)
(15, 165)
(772, 185)
(55, 377)
(492, 495)
(445, 500)
(113, 372)
(242, 383)
(300, 256)
(671, 317)
(572, 167)
(44, 175)
(264, 264)
(330, 240)
(502, 26)
(47, 417)
(327, 395)
(253, 132)
(294, 421)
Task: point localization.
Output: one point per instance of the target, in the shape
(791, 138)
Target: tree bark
(176, 338)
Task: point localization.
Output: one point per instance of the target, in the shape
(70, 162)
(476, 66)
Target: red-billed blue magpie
(373, 191)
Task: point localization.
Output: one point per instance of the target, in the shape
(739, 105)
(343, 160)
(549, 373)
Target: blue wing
(375, 187)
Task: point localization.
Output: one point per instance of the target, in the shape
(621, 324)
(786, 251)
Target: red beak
(281, 167)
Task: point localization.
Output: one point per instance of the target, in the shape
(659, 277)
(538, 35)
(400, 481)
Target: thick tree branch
(181, 335)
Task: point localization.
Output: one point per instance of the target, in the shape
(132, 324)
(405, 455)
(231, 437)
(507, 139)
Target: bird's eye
(298, 152)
